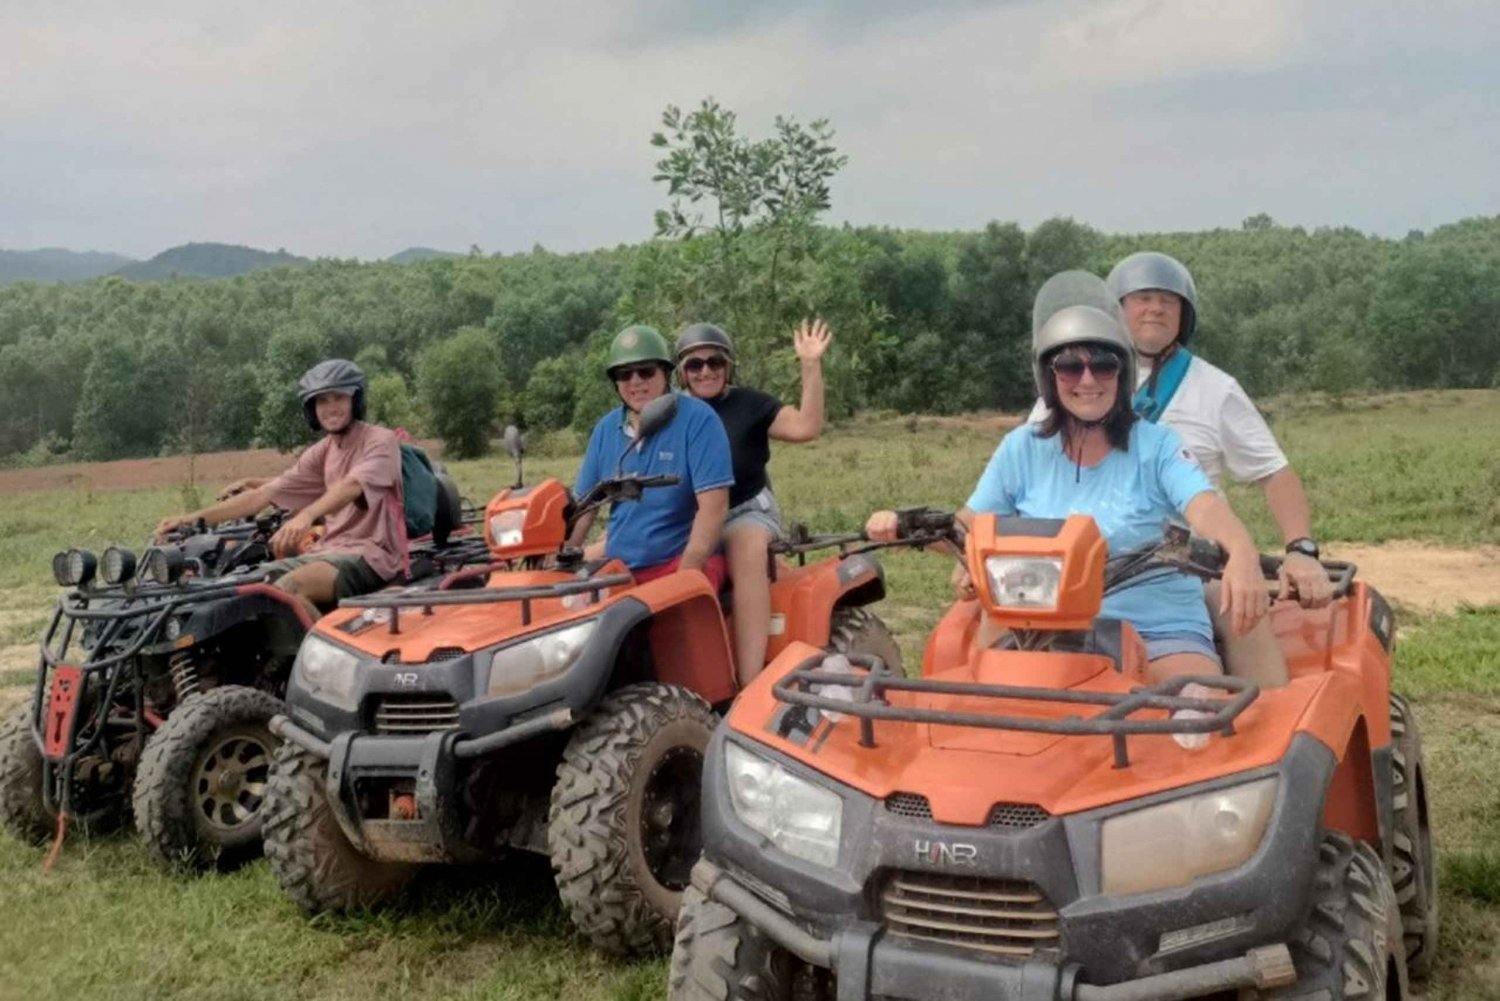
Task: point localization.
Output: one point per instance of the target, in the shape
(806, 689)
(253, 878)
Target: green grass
(106, 924)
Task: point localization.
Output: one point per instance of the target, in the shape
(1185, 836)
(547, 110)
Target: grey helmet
(332, 375)
(1075, 307)
(1150, 270)
(703, 335)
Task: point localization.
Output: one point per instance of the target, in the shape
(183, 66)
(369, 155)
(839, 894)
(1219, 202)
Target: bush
(458, 379)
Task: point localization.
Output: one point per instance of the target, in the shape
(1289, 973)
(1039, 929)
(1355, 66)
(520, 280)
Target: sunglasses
(1105, 365)
(714, 363)
(627, 372)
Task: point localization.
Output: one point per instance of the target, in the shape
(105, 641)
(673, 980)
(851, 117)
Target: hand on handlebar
(883, 526)
(1304, 577)
(1245, 601)
(170, 524)
(288, 538)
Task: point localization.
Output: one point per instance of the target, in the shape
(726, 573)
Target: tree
(547, 403)
(293, 350)
(390, 403)
(458, 380)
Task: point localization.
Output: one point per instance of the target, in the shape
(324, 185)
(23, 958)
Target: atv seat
(449, 514)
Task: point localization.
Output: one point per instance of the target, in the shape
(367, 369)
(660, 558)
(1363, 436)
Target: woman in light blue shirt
(1093, 456)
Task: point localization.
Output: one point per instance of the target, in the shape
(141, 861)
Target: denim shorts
(761, 510)
(1165, 644)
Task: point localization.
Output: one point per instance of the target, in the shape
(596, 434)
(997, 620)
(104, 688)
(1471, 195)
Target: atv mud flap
(869, 964)
(429, 762)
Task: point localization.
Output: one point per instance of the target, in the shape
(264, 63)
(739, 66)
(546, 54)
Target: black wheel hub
(671, 828)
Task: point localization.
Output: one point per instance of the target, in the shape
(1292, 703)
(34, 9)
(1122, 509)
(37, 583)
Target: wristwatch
(1304, 545)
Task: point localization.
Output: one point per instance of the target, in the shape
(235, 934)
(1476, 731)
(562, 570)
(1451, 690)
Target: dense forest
(923, 322)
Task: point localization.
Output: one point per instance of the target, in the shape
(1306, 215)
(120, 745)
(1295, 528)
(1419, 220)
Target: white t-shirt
(1217, 422)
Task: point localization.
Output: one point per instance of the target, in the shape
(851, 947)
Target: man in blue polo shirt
(669, 528)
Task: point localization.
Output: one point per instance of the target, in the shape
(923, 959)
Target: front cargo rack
(426, 598)
(868, 689)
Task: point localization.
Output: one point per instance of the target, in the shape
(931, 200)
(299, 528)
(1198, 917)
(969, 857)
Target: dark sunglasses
(714, 363)
(1104, 364)
(625, 373)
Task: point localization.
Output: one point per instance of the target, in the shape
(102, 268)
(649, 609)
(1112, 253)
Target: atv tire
(623, 829)
(719, 956)
(21, 809)
(309, 854)
(1349, 947)
(200, 788)
(858, 630)
(1413, 873)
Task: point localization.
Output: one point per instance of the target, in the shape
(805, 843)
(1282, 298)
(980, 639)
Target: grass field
(105, 924)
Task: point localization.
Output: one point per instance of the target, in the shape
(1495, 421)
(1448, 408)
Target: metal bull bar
(870, 688)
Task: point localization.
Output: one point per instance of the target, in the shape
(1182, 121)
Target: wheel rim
(230, 781)
(671, 825)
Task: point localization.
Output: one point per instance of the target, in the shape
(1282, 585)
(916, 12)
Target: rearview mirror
(656, 415)
(513, 443)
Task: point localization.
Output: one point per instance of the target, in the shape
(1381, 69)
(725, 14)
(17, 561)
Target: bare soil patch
(1427, 577)
(210, 470)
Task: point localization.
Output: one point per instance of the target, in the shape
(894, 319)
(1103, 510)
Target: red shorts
(715, 570)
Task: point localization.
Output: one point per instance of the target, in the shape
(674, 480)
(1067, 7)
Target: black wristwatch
(1304, 545)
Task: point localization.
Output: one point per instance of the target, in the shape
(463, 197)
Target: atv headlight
(525, 665)
(117, 565)
(73, 567)
(1174, 843)
(506, 528)
(327, 671)
(798, 817)
(164, 564)
(1024, 582)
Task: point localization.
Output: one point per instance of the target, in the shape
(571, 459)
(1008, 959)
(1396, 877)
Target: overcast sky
(355, 129)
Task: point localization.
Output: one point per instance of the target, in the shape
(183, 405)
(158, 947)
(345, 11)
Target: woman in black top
(705, 368)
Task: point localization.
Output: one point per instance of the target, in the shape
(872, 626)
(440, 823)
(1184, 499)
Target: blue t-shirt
(693, 448)
(1129, 495)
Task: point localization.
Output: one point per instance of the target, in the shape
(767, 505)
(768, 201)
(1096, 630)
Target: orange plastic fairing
(1082, 552)
(527, 521)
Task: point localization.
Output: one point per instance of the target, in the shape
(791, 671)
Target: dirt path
(1430, 578)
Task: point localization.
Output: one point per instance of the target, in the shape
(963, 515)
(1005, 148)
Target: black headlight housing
(117, 565)
(74, 567)
(163, 564)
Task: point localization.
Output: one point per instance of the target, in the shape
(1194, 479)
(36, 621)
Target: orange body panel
(543, 521)
(1078, 545)
(804, 598)
(1337, 695)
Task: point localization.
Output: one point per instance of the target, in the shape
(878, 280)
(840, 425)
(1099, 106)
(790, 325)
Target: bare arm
(708, 524)
(805, 421)
(1288, 504)
(241, 505)
(1299, 573)
(288, 537)
(1244, 588)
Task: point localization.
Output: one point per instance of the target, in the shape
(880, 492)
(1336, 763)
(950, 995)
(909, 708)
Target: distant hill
(411, 254)
(207, 260)
(54, 264)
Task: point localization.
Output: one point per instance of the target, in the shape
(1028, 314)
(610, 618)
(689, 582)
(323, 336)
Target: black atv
(155, 683)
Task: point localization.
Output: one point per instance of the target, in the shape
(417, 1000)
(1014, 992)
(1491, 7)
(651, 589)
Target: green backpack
(419, 491)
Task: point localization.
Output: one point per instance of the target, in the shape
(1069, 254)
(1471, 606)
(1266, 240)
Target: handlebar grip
(1207, 553)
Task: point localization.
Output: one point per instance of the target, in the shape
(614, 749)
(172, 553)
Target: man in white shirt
(1220, 427)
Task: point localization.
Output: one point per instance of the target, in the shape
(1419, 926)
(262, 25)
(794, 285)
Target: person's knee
(316, 582)
(745, 549)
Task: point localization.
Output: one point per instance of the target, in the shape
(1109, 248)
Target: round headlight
(73, 567)
(164, 565)
(117, 565)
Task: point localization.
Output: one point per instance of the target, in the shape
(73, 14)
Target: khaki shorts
(354, 575)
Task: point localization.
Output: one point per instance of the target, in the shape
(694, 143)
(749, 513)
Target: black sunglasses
(714, 363)
(1104, 365)
(624, 372)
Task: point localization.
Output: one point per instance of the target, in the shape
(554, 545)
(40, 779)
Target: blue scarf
(1168, 377)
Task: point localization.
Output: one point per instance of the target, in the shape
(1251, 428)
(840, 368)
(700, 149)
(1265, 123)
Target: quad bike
(546, 702)
(1031, 818)
(155, 685)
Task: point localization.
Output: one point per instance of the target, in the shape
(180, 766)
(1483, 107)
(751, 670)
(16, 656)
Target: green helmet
(637, 343)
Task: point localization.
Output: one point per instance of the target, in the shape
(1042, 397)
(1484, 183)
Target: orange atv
(544, 702)
(1030, 819)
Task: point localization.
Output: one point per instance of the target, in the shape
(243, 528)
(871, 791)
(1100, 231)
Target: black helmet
(332, 375)
(1151, 270)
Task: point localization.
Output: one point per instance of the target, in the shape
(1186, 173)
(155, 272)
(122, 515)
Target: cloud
(358, 128)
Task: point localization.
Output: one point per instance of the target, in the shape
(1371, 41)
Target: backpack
(419, 491)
